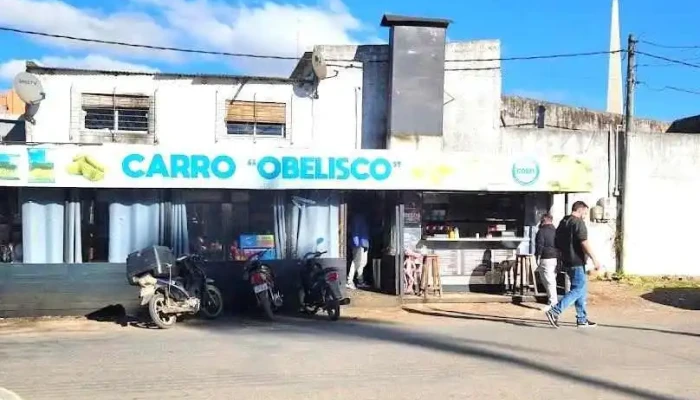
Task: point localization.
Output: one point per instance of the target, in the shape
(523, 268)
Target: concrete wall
(359, 77)
(522, 112)
(11, 104)
(664, 191)
(597, 148)
(187, 110)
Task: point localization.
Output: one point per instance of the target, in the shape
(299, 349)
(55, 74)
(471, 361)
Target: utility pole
(624, 170)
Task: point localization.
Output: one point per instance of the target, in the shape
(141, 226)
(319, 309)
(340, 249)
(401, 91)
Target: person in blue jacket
(359, 231)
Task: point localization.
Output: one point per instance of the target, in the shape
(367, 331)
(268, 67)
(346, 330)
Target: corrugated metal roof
(39, 69)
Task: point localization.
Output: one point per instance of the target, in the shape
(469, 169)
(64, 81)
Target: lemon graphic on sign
(87, 167)
(434, 174)
(570, 174)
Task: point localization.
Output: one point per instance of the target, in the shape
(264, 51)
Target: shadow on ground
(479, 349)
(684, 298)
(388, 332)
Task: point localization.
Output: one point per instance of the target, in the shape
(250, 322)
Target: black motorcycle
(320, 287)
(262, 279)
(173, 287)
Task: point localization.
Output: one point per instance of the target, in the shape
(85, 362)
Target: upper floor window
(119, 118)
(253, 118)
(127, 113)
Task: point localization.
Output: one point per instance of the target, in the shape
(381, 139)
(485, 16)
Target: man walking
(547, 254)
(572, 241)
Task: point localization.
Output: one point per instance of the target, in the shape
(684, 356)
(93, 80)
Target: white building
(415, 125)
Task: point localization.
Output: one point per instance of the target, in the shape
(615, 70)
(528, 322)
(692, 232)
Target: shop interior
(68, 225)
(468, 215)
(470, 233)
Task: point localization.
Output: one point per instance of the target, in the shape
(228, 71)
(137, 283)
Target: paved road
(428, 357)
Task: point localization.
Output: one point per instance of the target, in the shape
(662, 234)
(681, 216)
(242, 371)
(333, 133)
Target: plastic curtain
(135, 222)
(280, 226)
(42, 225)
(179, 236)
(316, 221)
(73, 244)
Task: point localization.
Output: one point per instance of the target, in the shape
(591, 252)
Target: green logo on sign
(525, 171)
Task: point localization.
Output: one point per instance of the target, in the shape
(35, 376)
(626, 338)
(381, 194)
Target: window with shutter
(254, 118)
(116, 112)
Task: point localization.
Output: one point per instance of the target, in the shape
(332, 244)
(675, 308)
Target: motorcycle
(173, 287)
(262, 279)
(320, 288)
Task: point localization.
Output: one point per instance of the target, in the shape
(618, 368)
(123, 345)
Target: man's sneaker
(552, 318)
(350, 286)
(586, 324)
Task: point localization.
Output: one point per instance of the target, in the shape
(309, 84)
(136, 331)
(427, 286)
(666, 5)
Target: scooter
(173, 287)
(262, 279)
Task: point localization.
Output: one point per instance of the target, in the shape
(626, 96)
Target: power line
(671, 88)
(275, 57)
(146, 46)
(543, 57)
(671, 60)
(665, 46)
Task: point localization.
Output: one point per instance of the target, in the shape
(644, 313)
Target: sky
(666, 91)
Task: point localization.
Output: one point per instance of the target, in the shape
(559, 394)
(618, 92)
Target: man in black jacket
(547, 255)
(572, 242)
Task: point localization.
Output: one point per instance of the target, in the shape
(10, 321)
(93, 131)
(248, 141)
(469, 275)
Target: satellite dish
(29, 88)
(318, 63)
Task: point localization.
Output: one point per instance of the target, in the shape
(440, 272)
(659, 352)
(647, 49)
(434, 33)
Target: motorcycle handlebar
(316, 254)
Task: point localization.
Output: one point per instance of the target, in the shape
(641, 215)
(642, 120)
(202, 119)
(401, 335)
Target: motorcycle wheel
(155, 309)
(332, 307)
(215, 303)
(266, 304)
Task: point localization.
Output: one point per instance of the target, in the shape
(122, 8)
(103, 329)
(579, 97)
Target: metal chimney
(416, 75)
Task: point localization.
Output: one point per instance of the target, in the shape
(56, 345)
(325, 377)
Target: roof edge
(391, 20)
(32, 67)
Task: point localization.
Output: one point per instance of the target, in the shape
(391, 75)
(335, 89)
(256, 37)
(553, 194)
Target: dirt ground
(607, 299)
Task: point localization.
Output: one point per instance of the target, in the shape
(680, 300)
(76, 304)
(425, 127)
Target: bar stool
(526, 264)
(431, 272)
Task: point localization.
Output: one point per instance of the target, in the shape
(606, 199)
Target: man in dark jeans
(572, 241)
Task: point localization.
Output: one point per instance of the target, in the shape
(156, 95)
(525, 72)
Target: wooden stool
(526, 264)
(431, 272)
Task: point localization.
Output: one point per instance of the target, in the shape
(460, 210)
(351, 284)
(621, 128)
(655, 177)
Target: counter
(466, 262)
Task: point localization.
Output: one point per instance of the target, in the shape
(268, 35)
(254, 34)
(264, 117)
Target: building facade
(222, 165)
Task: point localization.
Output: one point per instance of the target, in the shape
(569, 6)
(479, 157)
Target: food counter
(470, 261)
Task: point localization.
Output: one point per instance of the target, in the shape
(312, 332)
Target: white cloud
(93, 61)
(9, 69)
(58, 17)
(273, 28)
(270, 28)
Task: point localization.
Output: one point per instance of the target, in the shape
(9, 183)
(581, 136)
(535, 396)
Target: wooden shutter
(254, 111)
(93, 100)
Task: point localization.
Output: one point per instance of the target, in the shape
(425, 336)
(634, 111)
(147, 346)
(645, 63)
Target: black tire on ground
(333, 310)
(266, 304)
(163, 321)
(332, 305)
(215, 305)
